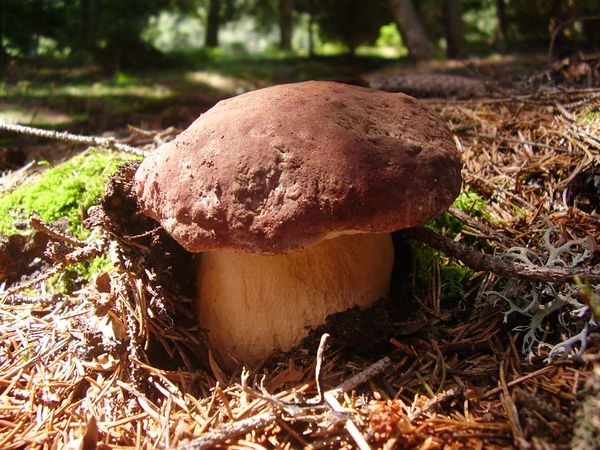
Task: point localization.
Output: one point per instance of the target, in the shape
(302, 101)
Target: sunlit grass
(218, 81)
(59, 101)
(60, 97)
(106, 88)
(33, 116)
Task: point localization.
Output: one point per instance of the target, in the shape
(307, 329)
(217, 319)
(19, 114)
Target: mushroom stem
(252, 305)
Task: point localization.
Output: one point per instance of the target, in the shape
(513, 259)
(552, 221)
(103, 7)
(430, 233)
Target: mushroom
(289, 195)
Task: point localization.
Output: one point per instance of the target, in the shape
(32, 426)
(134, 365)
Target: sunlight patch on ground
(220, 82)
(32, 116)
(154, 91)
(94, 90)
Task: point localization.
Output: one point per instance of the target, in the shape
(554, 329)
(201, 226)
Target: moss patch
(66, 190)
(455, 277)
(468, 202)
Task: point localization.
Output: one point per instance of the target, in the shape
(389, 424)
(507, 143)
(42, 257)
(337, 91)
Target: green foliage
(468, 202)
(454, 280)
(352, 22)
(480, 21)
(66, 190)
(389, 36)
(74, 275)
(136, 33)
(170, 31)
(108, 31)
(454, 277)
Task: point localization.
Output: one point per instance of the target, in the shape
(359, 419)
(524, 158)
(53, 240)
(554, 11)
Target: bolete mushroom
(289, 195)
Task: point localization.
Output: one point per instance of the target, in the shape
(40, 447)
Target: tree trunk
(453, 27)
(286, 8)
(3, 55)
(311, 26)
(83, 30)
(86, 39)
(501, 24)
(213, 21)
(86, 30)
(413, 33)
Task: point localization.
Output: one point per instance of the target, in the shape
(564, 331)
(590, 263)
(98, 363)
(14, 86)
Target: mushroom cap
(284, 167)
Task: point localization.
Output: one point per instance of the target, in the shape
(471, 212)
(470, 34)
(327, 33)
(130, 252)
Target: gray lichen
(536, 301)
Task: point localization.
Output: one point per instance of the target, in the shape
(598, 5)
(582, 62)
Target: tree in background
(412, 31)
(213, 22)
(352, 22)
(286, 20)
(501, 22)
(270, 13)
(529, 24)
(109, 32)
(24, 23)
(113, 31)
(454, 30)
(104, 31)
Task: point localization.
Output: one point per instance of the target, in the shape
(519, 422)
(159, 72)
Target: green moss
(470, 203)
(66, 190)
(454, 280)
(454, 277)
(79, 274)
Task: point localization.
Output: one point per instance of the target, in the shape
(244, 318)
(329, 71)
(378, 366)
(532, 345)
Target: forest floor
(499, 362)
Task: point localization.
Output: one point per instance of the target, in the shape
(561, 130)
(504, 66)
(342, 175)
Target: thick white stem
(252, 305)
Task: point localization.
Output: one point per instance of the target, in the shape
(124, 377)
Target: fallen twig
(502, 267)
(441, 397)
(65, 136)
(318, 372)
(37, 224)
(235, 429)
(82, 254)
(331, 396)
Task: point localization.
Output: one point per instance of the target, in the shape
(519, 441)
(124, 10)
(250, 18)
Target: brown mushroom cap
(283, 167)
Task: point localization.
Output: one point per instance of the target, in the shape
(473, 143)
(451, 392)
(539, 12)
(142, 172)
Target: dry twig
(235, 429)
(481, 262)
(64, 136)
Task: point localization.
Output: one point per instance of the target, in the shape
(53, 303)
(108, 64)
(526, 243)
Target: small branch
(330, 397)
(439, 398)
(481, 262)
(235, 429)
(96, 141)
(37, 224)
(291, 409)
(352, 429)
(362, 377)
(82, 254)
(323, 344)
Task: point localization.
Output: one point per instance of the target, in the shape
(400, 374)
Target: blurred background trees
(117, 33)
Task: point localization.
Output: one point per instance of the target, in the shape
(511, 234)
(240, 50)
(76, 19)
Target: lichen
(536, 301)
